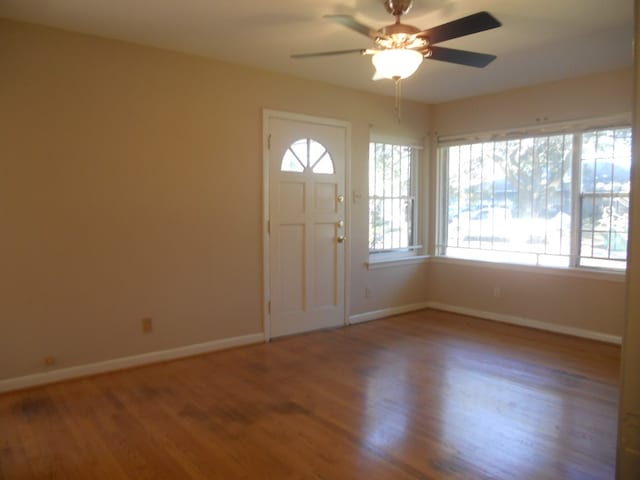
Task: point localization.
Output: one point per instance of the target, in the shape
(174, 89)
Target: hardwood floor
(425, 395)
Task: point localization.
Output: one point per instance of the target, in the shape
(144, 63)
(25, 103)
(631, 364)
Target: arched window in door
(307, 154)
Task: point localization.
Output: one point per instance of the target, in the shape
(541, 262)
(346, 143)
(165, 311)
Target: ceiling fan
(399, 48)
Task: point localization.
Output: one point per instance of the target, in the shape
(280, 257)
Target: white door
(306, 224)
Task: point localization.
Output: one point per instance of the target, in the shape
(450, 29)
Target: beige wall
(574, 301)
(131, 187)
(601, 95)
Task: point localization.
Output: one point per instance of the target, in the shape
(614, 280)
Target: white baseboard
(386, 312)
(215, 345)
(127, 362)
(527, 322)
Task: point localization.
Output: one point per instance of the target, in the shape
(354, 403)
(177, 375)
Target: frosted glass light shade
(396, 62)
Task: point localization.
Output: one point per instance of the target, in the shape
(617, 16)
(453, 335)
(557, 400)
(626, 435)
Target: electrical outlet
(147, 325)
(367, 292)
(49, 361)
(497, 292)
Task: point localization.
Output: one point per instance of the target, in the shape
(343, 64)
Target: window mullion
(546, 197)
(385, 194)
(562, 196)
(443, 192)
(414, 178)
(394, 198)
(576, 201)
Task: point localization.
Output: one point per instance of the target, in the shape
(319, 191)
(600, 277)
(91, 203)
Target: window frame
(577, 130)
(583, 260)
(412, 252)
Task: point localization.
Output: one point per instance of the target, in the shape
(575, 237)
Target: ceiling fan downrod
(397, 8)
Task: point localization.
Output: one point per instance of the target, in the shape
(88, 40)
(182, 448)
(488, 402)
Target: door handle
(341, 239)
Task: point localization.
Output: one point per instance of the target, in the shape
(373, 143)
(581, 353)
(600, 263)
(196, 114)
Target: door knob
(341, 239)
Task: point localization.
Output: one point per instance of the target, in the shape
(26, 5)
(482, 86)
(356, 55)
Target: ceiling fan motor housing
(400, 35)
(399, 29)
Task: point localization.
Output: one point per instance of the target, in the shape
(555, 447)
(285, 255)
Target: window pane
(510, 196)
(511, 200)
(605, 197)
(307, 153)
(291, 163)
(600, 263)
(300, 150)
(391, 197)
(316, 150)
(324, 165)
(586, 246)
(588, 168)
(589, 144)
(622, 161)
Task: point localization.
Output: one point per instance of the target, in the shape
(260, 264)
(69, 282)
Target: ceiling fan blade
(326, 54)
(461, 57)
(350, 22)
(478, 22)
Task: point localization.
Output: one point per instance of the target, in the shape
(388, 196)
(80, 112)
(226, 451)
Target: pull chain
(398, 92)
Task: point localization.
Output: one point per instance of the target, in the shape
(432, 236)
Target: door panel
(324, 270)
(291, 200)
(325, 195)
(292, 282)
(306, 215)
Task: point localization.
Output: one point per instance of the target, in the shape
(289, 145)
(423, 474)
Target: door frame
(267, 115)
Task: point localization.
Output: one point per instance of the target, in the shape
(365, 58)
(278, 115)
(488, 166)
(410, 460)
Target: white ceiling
(540, 40)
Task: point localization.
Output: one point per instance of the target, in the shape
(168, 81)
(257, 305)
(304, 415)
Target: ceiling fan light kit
(399, 48)
(396, 63)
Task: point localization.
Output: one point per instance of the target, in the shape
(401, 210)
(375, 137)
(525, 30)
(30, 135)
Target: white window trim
(569, 126)
(575, 127)
(396, 262)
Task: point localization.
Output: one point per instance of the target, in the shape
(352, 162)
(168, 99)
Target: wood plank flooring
(425, 395)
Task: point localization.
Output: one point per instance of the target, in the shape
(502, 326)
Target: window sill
(397, 262)
(574, 272)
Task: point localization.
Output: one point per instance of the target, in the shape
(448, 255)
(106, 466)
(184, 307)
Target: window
(604, 197)
(307, 154)
(558, 200)
(392, 199)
